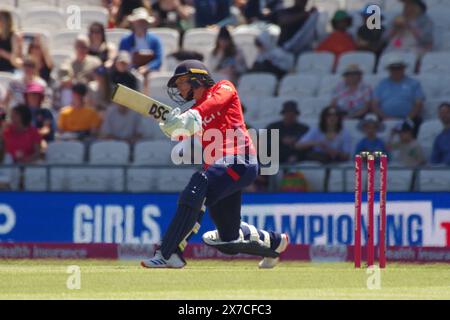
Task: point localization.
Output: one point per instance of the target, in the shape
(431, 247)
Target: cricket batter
(218, 187)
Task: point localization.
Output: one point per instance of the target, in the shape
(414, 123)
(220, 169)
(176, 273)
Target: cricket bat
(140, 103)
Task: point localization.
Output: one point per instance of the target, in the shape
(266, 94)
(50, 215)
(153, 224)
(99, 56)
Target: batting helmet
(198, 76)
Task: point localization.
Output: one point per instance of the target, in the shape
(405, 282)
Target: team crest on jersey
(226, 87)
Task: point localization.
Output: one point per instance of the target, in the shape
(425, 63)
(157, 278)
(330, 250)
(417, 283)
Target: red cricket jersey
(220, 109)
(20, 144)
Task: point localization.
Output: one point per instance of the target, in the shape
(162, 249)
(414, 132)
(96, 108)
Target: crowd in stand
(72, 101)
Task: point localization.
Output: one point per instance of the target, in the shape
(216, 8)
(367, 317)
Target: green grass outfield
(46, 279)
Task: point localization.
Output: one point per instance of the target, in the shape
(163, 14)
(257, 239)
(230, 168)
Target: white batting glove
(186, 123)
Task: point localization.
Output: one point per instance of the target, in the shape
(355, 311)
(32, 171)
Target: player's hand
(190, 122)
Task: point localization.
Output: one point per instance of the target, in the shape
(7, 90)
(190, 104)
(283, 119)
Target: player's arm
(218, 100)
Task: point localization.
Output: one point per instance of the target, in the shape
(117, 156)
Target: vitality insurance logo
(409, 223)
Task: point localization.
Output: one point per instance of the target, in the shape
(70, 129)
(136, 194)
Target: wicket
(370, 246)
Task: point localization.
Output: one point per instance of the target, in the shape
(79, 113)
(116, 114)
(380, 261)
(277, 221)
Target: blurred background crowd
(316, 70)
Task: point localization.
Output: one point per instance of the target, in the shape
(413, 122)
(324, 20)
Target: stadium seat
(444, 87)
(116, 35)
(85, 3)
(158, 84)
(8, 4)
(245, 40)
(430, 110)
(327, 85)
(436, 63)
(432, 84)
(27, 33)
(109, 152)
(257, 84)
(173, 180)
(434, 180)
(26, 4)
(149, 130)
(365, 60)
(141, 179)
(6, 78)
(170, 39)
(312, 107)
(50, 19)
(95, 180)
(427, 134)
(10, 177)
(319, 63)
(299, 85)
(201, 40)
(65, 152)
(64, 39)
(152, 153)
(270, 107)
(315, 178)
(35, 179)
(90, 15)
(359, 4)
(439, 16)
(408, 57)
(392, 6)
(60, 57)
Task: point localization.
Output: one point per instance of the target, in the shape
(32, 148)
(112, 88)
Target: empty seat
(319, 63)
(60, 57)
(257, 84)
(427, 134)
(201, 40)
(270, 107)
(35, 179)
(170, 39)
(245, 40)
(50, 20)
(109, 152)
(315, 178)
(158, 84)
(173, 180)
(65, 152)
(434, 180)
(64, 39)
(26, 4)
(299, 85)
(327, 85)
(408, 57)
(141, 179)
(152, 153)
(116, 35)
(10, 4)
(430, 110)
(95, 180)
(436, 63)
(90, 15)
(6, 78)
(65, 3)
(432, 85)
(365, 60)
(312, 107)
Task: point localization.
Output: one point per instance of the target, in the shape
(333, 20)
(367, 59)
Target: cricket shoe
(269, 263)
(158, 261)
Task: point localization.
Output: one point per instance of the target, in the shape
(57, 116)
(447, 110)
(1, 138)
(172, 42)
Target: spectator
(78, 120)
(412, 31)
(100, 90)
(406, 150)
(10, 43)
(271, 58)
(42, 118)
(98, 46)
(125, 9)
(290, 131)
(175, 14)
(339, 41)
(120, 123)
(208, 13)
(398, 96)
(145, 48)
(237, 14)
(370, 39)
(120, 72)
(441, 146)
(226, 58)
(290, 20)
(22, 140)
(62, 88)
(370, 126)
(84, 64)
(38, 51)
(352, 96)
(18, 86)
(328, 143)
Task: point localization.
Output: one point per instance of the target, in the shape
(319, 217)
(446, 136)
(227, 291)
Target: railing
(17, 172)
